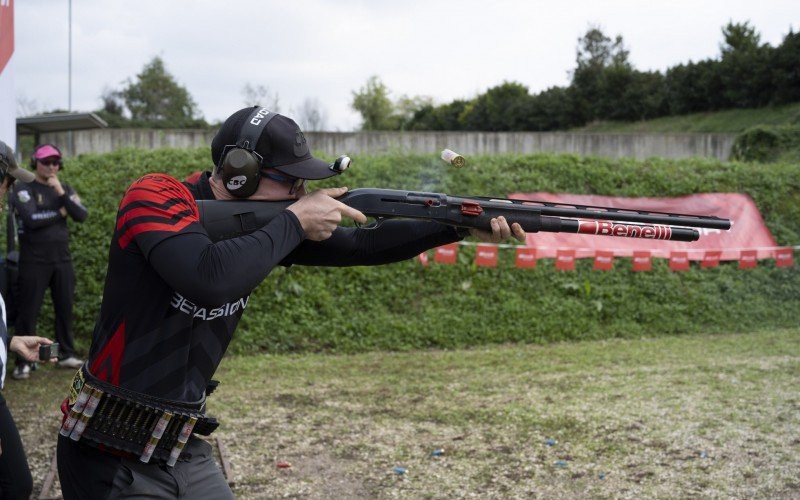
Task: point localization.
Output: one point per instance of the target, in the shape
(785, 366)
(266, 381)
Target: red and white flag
(565, 259)
(526, 257)
(486, 255)
(678, 261)
(446, 254)
(604, 260)
(747, 259)
(711, 258)
(784, 257)
(642, 261)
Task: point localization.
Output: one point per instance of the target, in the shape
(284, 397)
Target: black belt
(115, 418)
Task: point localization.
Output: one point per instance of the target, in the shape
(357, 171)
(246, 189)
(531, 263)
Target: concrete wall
(467, 143)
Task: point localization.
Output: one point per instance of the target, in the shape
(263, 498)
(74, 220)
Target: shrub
(766, 143)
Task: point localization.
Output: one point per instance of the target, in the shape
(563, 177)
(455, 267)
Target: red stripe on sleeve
(165, 197)
(167, 213)
(144, 227)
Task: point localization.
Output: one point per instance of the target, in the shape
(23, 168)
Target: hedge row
(768, 143)
(404, 306)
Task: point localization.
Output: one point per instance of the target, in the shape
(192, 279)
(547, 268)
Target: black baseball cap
(282, 145)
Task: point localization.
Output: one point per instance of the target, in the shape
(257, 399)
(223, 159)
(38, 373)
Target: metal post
(69, 105)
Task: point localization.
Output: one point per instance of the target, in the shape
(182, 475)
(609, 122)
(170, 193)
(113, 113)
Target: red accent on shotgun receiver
(471, 208)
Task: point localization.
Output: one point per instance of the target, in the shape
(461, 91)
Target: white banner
(8, 112)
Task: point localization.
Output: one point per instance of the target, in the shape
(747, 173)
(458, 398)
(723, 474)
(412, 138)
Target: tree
(745, 67)
(500, 108)
(373, 103)
(406, 108)
(683, 94)
(645, 97)
(695, 87)
(155, 99)
(552, 109)
(113, 110)
(601, 76)
(739, 37)
(260, 95)
(612, 85)
(597, 51)
(312, 115)
(26, 106)
(785, 70)
(444, 117)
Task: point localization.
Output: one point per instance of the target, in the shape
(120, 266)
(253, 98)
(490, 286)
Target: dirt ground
(701, 416)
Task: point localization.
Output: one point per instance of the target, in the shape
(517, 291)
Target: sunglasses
(296, 182)
(50, 162)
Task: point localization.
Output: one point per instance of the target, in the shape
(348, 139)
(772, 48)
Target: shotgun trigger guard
(372, 225)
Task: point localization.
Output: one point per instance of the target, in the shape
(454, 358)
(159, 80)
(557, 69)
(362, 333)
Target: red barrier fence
(748, 241)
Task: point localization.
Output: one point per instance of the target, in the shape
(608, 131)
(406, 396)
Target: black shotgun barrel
(227, 219)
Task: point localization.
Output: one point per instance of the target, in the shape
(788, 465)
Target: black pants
(85, 473)
(15, 475)
(34, 279)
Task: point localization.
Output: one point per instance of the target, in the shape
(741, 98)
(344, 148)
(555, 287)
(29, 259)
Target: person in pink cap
(42, 209)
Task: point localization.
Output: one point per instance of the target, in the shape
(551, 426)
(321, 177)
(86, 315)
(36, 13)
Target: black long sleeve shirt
(173, 298)
(41, 227)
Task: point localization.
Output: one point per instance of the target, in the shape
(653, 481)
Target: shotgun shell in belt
(453, 158)
(175, 453)
(158, 431)
(148, 450)
(186, 431)
(76, 411)
(88, 411)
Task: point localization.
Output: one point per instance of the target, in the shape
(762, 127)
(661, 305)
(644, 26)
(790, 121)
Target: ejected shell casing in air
(453, 158)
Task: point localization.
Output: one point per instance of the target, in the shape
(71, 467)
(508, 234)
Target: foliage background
(404, 306)
(605, 86)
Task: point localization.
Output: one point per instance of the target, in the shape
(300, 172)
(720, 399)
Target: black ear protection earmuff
(33, 159)
(240, 164)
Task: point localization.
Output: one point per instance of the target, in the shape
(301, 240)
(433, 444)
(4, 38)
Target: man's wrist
(12, 346)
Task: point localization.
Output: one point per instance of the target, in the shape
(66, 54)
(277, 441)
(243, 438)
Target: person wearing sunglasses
(173, 298)
(41, 210)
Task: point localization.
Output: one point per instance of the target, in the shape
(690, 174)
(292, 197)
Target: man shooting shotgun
(175, 292)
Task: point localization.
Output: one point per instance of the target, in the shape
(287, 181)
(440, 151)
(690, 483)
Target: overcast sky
(325, 50)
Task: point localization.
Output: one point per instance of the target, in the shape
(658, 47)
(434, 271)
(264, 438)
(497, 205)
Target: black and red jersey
(173, 298)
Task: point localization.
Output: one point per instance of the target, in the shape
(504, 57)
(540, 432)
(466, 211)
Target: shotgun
(228, 219)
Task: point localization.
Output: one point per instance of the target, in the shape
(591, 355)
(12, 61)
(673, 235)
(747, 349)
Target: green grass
(729, 121)
(656, 417)
(666, 417)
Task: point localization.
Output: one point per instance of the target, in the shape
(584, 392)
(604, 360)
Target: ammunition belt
(113, 418)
